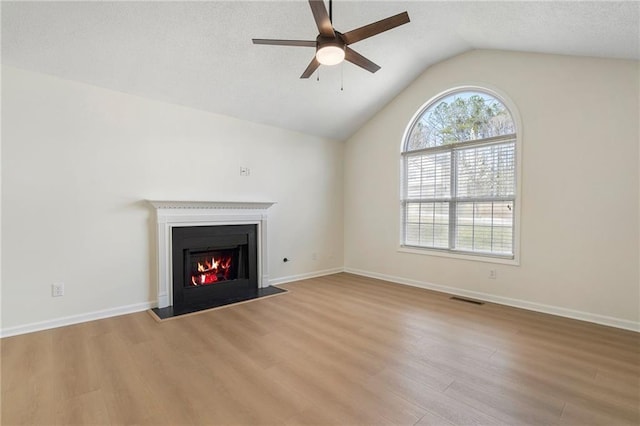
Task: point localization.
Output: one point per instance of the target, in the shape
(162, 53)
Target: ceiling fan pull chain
(342, 76)
(318, 75)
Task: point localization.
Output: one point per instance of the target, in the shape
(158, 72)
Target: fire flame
(212, 271)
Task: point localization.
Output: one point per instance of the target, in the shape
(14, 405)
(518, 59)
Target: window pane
(482, 238)
(413, 213)
(429, 176)
(502, 239)
(441, 236)
(414, 176)
(485, 227)
(426, 235)
(460, 117)
(503, 227)
(487, 171)
(432, 228)
(427, 213)
(464, 228)
(411, 236)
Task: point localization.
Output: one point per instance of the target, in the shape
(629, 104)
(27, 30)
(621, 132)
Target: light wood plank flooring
(340, 349)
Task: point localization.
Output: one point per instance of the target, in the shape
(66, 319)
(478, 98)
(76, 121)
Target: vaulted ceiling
(199, 54)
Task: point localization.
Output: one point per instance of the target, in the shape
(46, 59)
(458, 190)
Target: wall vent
(464, 299)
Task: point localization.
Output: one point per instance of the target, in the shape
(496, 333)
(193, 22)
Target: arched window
(459, 176)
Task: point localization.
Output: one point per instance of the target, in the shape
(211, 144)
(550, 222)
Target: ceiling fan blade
(321, 16)
(313, 65)
(303, 43)
(370, 30)
(356, 58)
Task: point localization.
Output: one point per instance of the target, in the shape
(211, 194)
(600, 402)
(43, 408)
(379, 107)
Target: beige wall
(78, 161)
(579, 217)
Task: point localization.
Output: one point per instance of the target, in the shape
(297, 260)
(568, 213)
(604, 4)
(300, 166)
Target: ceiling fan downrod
(331, 11)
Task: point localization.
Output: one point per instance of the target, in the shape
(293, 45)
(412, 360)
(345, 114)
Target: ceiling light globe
(330, 55)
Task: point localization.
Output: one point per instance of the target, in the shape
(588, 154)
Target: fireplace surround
(213, 234)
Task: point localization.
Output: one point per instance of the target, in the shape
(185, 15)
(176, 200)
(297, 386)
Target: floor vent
(462, 299)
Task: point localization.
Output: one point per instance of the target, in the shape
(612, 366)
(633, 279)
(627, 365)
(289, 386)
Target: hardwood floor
(341, 349)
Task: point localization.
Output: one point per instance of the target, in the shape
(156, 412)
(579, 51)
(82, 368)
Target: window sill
(476, 258)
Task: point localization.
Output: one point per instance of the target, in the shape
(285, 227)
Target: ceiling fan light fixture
(330, 54)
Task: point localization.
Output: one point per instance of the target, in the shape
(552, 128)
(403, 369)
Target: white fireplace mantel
(170, 214)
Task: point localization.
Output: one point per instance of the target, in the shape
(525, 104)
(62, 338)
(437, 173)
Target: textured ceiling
(200, 54)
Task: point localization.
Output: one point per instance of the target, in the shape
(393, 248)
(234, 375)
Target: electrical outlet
(245, 171)
(57, 289)
(314, 256)
(493, 274)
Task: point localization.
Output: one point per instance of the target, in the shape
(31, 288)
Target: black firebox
(213, 265)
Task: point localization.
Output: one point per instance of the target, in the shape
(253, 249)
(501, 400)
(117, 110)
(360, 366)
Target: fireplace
(210, 254)
(213, 264)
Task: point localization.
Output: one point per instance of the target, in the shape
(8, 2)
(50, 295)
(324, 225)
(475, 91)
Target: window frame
(452, 148)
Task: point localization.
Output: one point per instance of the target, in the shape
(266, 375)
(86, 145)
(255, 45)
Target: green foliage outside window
(459, 118)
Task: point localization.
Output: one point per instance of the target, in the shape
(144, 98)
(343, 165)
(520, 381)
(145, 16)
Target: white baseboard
(291, 278)
(129, 309)
(75, 319)
(516, 303)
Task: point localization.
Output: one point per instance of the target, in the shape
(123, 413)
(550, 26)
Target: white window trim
(479, 257)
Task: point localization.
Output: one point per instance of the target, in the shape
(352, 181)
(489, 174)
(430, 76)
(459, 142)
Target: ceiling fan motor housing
(322, 41)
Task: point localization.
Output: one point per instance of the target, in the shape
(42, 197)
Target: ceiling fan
(332, 47)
